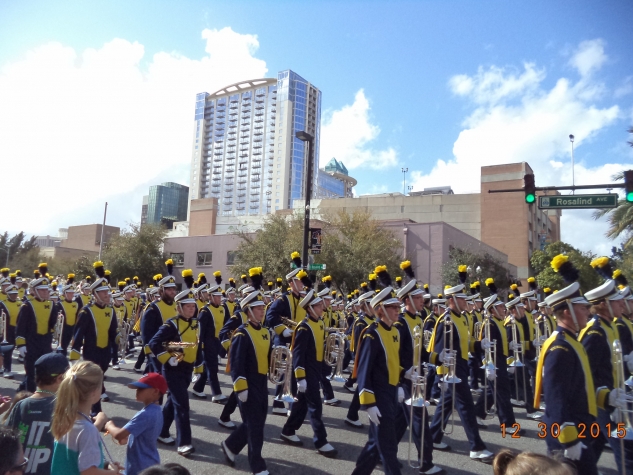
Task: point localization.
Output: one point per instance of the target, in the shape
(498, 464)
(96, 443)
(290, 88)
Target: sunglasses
(21, 467)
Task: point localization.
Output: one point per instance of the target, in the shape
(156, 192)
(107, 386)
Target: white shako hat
(457, 291)
(41, 283)
(310, 299)
(607, 291)
(410, 289)
(186, 296)
(513, 303)
(386, 296)
(569, 295)
(254, 299)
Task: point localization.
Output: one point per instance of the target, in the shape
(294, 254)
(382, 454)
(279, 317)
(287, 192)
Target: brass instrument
(58, 330)
(177, 348)
(124, 331)
(518, 359)
(280, 371)
(477, 330)
(490, 364)
(621, 415)
(334, 354)
(448, 366)
(428, 335)
(418, 392)
(289, 323)
(4, 322)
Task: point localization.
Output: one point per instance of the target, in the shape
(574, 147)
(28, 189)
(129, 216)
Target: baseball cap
(150, 380)
(51, 364)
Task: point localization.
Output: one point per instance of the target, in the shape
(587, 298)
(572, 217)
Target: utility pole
(573, 179)
(306, 137)
(404, 180)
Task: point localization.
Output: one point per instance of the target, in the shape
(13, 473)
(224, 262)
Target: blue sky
(434, 86)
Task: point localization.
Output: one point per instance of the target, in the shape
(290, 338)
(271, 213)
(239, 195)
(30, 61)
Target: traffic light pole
(572, 187)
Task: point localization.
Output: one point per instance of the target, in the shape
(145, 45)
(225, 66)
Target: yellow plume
(617, 273)
(489, 281)
(558, 261)
(294, 255)
(599, 262)
(187, 273)
(405, 264)
(462, 268)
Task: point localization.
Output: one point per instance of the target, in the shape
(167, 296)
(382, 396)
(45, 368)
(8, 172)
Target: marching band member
(328, 322)
(307, 364)
(212, 318)
(70, 310)
(462, 344)
(178, 368)
(11, 308)
(412, 298)
(564, 374)
(96, 330)
(287, 307)
(5, 281)
(230, 303)
(159, 312)
(84, 296)
(248, 358)
(120, 313)
(34, 332)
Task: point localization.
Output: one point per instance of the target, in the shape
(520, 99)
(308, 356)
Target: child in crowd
(144, 429)
(12, 402)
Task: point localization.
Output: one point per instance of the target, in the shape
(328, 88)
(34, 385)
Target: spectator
(12, 460)
(167, 469)
(5, 404)
(12, 402)
(508, 462)
(177, 469)
(32, 416)
(142, 432)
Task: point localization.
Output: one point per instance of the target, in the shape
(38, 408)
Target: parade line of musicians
(563, 355)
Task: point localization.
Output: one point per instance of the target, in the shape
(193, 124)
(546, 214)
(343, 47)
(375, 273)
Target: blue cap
(51, 364)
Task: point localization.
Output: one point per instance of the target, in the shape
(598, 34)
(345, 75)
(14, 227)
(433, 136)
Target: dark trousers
(523, 377)
(32, 355)
(587, 465)
(211, 374)
(154, 365)
(229, 407)
(354, 407)
(504, 407)
(177, 405)
(8, 353)
(383, 442)
(67, 335)
(474, 371)
(309, 401)
(430, 384)
(420, 419)
(328, 392)
(100, 357)
(140, 360)
(251, 431)
(347, 356)
(465, 408)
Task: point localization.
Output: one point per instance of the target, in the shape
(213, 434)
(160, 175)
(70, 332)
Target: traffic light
(530, 189)
(628, 185)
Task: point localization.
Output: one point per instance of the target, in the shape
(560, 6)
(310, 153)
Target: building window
(178, 258)
(204, 259)
(230, 257)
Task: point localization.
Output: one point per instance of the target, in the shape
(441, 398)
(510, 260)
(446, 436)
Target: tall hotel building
(245, 152)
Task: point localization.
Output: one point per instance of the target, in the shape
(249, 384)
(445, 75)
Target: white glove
(22, 351)
(575, 451)
(513, 345)
(511, 369)
(443, 386)
(302, 385)
(485, 344)
(619, 399)
(287, 333)
(173, 361)
(243, 396)
(411, 373)
(491, 374)
(442, 356)
(374, 415)
(629, 361)
(400, 394)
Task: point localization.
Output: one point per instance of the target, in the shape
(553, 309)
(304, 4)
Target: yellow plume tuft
(514, 287)
(372, 276)
(473, 285)
(294, 255)
(380, 269)
(254, 271)
(462, 268)
(398, 279)
(489, 281)
(71, 276)
(187, 273)
(301, 274)
(447, 287)
(599, 262)
(201, 274)
(217, 273)
(617, 273)
(405, 264)
(95, 265)
(558, 261)
(531, 279)
(169, 262)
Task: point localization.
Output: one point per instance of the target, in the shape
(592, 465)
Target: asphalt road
(284, 459)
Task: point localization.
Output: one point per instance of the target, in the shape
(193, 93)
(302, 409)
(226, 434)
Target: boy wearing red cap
(142, 432)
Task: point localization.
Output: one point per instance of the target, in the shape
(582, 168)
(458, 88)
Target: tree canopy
(545, 275)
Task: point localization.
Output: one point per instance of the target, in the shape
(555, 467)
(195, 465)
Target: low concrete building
(87, 237)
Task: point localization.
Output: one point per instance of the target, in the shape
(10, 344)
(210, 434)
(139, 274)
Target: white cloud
(81, 128)
(347, 133)
(625, 88)
(517, 119)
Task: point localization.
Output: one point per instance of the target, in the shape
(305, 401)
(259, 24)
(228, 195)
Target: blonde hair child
(79, 448)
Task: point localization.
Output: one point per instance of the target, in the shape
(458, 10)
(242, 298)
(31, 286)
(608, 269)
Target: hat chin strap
(573, 315)
(415, 310)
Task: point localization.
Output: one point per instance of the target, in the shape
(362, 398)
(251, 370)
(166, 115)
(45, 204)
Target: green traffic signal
(530, 198)
(629, 196)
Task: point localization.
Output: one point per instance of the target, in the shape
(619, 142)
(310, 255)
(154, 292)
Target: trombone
(334, 354)
(518, 359)
(4, 322)
(490, 364)
(58, 330)
(621, 415)
(448, 370)
(280, 371)
(418, 392)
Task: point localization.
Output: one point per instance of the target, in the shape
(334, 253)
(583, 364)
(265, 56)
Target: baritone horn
(418, 392)
(448, 370)
(279, 372)
(334, 354)
(176, 349)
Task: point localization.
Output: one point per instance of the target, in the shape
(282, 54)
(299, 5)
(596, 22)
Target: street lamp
(410, 188)
(571, 139)
(306, 137)
(404, 180)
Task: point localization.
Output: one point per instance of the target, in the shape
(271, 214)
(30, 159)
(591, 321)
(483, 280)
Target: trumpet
(428, 335)
(177, 348)
(334, 354)
(418, 391)
(280, 371)
(4, 322)
(621, 415)
(490, 364)
(518, 359)
(448, 369)
(58, 331)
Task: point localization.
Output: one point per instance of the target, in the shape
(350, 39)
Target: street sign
(316, 266)
(578, 201)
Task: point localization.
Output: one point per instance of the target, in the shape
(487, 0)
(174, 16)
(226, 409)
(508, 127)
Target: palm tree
(621, 218)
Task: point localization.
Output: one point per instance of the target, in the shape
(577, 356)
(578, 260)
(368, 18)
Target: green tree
(620, 219)
(138, 250)
(546, 277)
(490, 267)
(21, 251)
